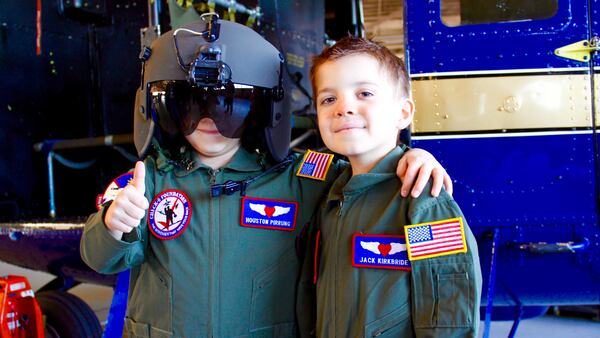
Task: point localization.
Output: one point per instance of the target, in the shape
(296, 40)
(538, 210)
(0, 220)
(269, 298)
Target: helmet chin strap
(277, 94)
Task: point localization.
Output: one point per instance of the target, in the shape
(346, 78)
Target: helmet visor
(181, 106)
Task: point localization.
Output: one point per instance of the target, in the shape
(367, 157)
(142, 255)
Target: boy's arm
(446, 290)
(416, 164)
(419, 164)
(111, 240)
(102, 252)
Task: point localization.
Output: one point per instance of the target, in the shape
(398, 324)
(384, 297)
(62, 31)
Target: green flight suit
(217, 279)
(439, 297)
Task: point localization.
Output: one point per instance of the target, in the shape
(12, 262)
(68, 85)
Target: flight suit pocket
(395, 324)
(453, 301)
(442, 293)
(151, 298)
(273, 292)
(136, 330)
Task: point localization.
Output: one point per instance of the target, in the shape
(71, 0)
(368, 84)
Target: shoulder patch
(315, 165)
(113, 189)
(169, 214)
(434, 239)
(380, 252)
(268, 213)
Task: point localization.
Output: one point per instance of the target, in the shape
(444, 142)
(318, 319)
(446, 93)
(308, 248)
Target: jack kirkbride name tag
(269, 213)
(380, 252)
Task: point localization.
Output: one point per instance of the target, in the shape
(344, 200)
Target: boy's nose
(345, 107)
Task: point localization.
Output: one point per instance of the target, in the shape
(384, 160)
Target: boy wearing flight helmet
(215, 253)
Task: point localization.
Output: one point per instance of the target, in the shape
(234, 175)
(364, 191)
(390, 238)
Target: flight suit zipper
(339, 227)
(213, 287)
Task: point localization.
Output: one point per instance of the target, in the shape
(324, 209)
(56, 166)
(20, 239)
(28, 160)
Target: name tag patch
(379, 252)
(169, 214)
(113, 189)
(269, 213)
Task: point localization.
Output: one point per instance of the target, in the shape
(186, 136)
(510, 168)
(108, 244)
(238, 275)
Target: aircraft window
(469, 12)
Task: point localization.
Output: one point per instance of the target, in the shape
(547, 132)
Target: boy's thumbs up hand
(129, 207)
(139, 177)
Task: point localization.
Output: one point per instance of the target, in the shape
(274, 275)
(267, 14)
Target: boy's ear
(406, 113)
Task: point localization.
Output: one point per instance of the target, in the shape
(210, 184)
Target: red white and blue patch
(315, 165)
(379, 252)
(169, 214)
(269, 213)
(435, 239)
(113, 189)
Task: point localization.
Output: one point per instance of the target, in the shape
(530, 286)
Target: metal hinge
(579, 51)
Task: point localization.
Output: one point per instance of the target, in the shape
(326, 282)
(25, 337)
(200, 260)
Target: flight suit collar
(242, 161)
(346, 184)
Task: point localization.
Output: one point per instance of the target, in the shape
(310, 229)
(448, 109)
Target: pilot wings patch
(268, 213)
(382, 249)
(380, 252)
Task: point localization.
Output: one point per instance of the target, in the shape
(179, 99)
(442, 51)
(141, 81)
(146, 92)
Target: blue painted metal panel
(434, 47)
(51, 247)
(530, 188)
(503, 181)
(533, 189)
(595, 25)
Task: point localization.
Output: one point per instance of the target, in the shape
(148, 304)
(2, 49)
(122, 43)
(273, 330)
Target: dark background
(83, 85)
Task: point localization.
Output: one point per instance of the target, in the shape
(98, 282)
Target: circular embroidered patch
(113, 189)
(170, 213)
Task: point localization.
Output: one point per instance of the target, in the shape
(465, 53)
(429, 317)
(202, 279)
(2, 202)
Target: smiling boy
(381, 264)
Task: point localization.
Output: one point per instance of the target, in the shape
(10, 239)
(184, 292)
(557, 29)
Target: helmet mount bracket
(213, 27)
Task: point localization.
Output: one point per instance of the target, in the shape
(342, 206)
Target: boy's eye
(365, 94)
(328, 100)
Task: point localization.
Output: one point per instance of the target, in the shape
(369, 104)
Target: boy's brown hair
(392, 65)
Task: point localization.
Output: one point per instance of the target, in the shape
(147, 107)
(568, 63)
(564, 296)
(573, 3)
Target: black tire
(67, 316)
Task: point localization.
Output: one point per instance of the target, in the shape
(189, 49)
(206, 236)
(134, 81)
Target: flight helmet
(216, 69)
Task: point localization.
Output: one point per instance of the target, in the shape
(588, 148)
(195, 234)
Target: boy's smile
(343, 126)
(214, 149)
(359, 109)
(208, 130)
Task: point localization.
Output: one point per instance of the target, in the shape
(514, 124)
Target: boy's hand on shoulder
(420, 165)
(130, 205)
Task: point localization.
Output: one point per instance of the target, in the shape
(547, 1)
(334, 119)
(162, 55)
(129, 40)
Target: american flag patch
(315, 165)
(435, 239)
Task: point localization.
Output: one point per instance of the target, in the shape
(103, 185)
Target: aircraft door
(513, 124)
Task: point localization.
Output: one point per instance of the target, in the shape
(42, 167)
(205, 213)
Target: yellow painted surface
(502, 102)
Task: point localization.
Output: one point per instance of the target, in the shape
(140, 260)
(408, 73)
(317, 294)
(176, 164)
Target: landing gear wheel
(67, 316)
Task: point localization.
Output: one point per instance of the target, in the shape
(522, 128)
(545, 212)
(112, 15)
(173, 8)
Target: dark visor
(186, 105)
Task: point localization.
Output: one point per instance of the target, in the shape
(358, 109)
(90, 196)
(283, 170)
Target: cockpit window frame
(456, 13)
